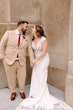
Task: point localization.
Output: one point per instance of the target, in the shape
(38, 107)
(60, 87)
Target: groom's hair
(22, 22)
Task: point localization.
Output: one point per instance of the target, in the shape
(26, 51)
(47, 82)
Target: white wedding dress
(39, 96)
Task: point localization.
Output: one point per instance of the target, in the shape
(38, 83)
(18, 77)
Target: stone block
(70, 69)
(3, 28)
(28, 10)
(4, 11)
(56, 77)
(3, 79)
(69, 91)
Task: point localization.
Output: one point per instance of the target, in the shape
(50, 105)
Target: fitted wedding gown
(39, 96)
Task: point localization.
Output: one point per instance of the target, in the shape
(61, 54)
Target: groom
(13, 54)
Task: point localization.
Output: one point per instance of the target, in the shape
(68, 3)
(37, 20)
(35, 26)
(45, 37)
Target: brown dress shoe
(13, 95)
(22, 95)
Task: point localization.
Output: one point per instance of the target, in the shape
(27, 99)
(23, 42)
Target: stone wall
(55, 19)
(69, 77)
(11, 12)
(53, 15)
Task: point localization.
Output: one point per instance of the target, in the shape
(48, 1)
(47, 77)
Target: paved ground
(7, 104)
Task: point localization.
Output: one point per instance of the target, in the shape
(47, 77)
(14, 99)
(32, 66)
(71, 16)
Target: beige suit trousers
(13, 72)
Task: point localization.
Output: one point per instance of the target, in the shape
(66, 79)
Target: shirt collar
(17, 32)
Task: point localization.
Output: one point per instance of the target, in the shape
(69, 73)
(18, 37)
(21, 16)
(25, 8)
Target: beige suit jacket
(9, 48)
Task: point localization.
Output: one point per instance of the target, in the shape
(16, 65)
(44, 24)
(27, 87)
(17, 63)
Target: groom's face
(24, 27)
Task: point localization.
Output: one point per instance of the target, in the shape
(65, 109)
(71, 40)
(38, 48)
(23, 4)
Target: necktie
(19, 39)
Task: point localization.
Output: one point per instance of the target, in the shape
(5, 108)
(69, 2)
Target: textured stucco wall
(11, 12)
(69, 77)
(54, 16)
(55, 19)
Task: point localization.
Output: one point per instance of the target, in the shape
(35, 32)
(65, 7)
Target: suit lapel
(22, 41)
(15, 39)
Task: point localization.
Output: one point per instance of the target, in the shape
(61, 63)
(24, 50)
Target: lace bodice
(38, 47)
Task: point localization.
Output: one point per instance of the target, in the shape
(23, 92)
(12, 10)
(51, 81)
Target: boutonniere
(26, 39)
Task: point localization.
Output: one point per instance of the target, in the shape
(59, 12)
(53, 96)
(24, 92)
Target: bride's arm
(44, 50)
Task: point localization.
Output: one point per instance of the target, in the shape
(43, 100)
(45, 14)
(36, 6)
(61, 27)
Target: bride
(39, 96)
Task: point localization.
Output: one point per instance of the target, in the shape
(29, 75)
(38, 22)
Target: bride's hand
(34, 61)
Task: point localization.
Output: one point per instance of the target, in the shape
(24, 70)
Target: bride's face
(33, 31)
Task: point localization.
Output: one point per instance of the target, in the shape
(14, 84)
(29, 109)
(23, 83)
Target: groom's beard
(23, 32)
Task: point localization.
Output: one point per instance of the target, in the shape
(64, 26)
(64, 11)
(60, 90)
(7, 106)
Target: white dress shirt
(17, 32)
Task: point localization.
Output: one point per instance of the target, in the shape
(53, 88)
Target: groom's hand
(3, 59)
(31, 64)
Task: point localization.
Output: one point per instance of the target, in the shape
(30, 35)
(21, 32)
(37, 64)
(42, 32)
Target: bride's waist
(39, 53)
